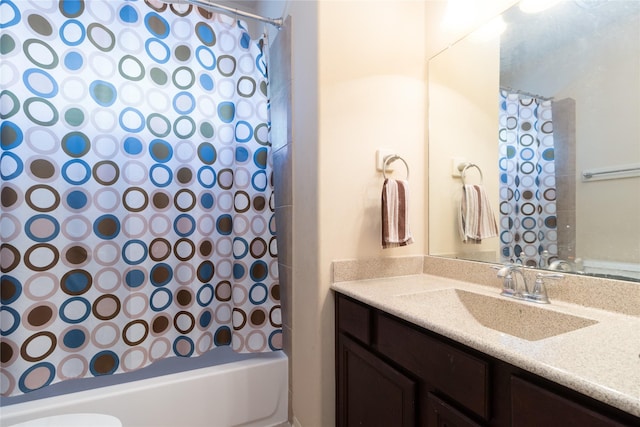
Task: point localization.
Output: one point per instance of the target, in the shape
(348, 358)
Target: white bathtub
(248, 392)
(612, 268)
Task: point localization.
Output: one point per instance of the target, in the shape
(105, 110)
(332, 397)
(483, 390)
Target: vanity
(425, 350)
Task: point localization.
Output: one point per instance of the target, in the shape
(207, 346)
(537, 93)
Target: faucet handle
(539, 293)
(508, 285)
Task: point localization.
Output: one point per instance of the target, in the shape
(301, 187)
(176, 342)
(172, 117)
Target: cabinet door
(455, 373)
(441, 414)
(370, 392)
(533, 406)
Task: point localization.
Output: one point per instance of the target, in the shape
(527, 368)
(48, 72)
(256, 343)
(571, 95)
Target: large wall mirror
(548, 114)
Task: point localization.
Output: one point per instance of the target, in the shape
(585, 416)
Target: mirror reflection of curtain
(528, 232)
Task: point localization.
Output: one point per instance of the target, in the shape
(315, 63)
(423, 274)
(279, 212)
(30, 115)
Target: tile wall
(281, 138)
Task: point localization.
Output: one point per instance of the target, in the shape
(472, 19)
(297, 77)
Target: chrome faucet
(510, 287)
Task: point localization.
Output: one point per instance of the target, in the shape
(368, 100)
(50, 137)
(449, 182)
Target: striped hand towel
(475, 217)
(395, 214)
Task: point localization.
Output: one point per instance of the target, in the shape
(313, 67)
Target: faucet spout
(504, 271)
(510, 285)
(560, 265)
(523, 290)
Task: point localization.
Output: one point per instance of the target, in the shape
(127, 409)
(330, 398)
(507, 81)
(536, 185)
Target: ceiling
(528, 37)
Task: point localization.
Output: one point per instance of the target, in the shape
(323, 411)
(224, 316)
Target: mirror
(549, 112)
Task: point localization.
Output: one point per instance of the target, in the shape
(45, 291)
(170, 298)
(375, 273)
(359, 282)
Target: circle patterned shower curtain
(137, 217)
(528, 222)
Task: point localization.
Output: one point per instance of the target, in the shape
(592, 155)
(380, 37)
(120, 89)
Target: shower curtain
(528, 233)
(137, 218)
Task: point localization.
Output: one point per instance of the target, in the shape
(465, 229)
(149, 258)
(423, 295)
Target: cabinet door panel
(370, 392)
(441, 414)
(455, 373)
(533, 406)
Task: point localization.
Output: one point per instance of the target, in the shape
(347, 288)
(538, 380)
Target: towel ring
(390, 159)
(462, 167)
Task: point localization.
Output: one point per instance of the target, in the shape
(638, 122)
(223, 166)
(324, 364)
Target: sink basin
(521, 319)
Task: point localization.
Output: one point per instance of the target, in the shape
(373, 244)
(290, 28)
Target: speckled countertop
(601, 360)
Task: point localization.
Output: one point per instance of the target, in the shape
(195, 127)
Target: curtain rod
(525, 93)
(206, 4)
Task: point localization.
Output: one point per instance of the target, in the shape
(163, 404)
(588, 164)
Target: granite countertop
(601, 360)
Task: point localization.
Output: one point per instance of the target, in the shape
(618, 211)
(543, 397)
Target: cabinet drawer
(533, 406)
(457, 374)
(354, 319)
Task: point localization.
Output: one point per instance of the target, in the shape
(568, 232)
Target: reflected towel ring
(390, 159)
(462, 167)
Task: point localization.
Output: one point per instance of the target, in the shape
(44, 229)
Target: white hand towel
(395, 214)
(476, 220)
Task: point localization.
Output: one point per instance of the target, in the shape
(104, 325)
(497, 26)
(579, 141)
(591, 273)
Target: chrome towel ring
(462, 167)
(390, 159)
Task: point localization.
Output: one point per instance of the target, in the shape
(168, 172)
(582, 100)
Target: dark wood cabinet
(535, 406)
(391, 373)
(455, 373)
(371, 392)
(441, 414)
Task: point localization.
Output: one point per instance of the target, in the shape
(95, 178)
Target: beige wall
(463, 116)
(371, 96)
(358, 84)
(473, 120)
(607, 211)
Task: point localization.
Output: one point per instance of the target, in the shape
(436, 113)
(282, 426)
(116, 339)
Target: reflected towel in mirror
(476, 220)
(395, 214)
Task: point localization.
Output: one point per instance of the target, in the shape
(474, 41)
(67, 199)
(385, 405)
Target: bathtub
(251, 390)
(612, 269)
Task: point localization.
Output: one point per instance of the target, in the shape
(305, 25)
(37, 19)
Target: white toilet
(73, 420)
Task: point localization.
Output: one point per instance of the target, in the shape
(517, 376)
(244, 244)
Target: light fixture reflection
(489, 31)
(459, 14)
